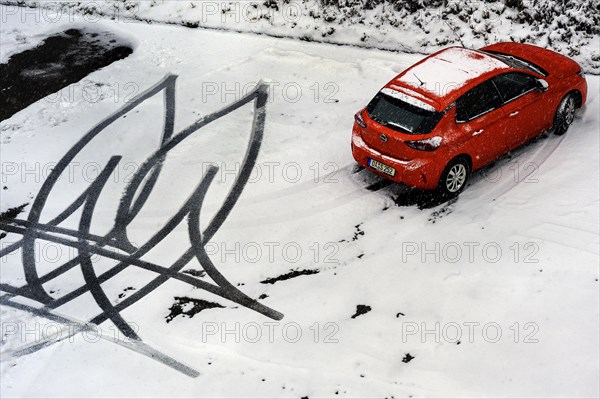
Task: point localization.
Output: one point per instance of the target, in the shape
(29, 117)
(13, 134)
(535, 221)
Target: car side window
(477, 101)
(513, 84)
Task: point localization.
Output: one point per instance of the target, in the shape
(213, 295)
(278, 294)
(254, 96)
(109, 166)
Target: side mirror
(541, 85)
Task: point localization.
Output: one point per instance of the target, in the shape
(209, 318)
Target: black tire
(454, 178)
(565, 113)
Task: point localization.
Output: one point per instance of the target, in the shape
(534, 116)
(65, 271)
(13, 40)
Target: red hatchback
(459, 109)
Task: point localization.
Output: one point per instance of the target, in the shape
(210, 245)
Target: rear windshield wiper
(518, 61)
(400, 126)
(527, 64)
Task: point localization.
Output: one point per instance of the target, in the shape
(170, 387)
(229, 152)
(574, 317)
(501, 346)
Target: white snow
(407, 99)
(522, 291)
(449, 70)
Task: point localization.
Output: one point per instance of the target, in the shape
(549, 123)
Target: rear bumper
(422, 173)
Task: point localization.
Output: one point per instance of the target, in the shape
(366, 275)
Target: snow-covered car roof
(446, 72)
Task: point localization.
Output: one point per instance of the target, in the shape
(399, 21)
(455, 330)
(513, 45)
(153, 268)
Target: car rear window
(401, 116)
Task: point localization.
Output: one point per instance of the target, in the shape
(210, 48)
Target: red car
(459, 109)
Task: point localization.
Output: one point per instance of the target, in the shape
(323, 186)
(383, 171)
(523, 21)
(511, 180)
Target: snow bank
(421, 26)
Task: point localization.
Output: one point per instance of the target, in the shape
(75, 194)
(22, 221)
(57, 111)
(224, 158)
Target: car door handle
(478, 132)
(513, 113)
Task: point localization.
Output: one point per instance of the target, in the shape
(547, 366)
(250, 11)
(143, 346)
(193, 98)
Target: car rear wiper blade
(399, 126)
(524, 62)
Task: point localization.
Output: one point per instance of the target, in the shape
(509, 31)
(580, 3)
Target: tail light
(359, 119)
(430, 144)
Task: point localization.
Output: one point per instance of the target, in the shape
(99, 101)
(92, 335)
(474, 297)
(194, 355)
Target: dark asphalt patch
(57, 62)
(195, 272)
(124, 293)
(423, 199)
(360, 310)
(407, 358)
(359, 232)
(12, 213)
(292, 274)
(198, 305)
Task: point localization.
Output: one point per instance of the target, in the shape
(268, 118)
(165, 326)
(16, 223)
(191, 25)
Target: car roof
(441, 78)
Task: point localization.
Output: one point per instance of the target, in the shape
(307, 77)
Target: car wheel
(565, 113)
(455, 177)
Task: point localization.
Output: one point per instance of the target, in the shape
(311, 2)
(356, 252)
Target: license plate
(383, 168)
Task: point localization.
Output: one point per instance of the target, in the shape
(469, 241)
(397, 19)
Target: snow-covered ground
(511, 266)
(415, 26)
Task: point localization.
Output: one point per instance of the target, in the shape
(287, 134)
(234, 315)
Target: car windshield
(401, 116)
(516, 62)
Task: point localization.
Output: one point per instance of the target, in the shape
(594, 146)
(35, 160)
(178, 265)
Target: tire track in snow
(524, 155)
(566, 236)
(373, 186)
(544, 148)
(305, 186)
(133, 199)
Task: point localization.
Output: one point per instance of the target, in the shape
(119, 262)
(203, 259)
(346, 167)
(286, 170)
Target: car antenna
(420, 81)
(455, 34)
